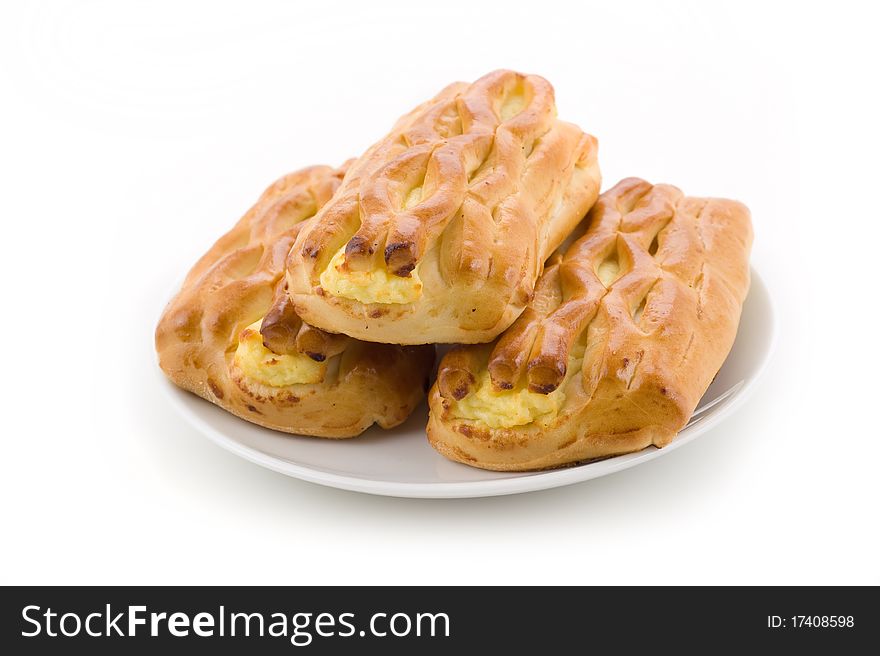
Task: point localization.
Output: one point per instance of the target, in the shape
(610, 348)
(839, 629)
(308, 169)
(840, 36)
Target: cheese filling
(373, 286)
(261, 364)
(507, 408)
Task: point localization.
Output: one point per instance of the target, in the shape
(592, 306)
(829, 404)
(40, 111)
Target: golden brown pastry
(291, 377)
(440, 230)
(625, 332)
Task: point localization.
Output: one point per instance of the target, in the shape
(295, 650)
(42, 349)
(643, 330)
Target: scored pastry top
(624, 303)
(452, 170)
(227, 292)
(231, 334)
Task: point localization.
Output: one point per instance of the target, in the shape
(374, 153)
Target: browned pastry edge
(233, 285)
(652, 338)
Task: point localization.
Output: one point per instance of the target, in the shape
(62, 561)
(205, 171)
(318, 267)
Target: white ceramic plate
(400, 462)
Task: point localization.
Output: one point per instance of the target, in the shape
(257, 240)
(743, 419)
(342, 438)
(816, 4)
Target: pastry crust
(235, 284)
(454, 213)
(626, 331)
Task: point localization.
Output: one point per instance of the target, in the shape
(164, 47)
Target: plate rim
(532, 482)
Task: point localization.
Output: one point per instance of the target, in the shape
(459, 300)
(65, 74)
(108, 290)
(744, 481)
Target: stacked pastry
(585, 326)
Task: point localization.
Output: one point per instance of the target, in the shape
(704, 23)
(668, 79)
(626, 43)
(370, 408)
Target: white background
(133, 134)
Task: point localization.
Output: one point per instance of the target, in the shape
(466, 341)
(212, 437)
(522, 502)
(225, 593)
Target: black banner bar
(436, 620)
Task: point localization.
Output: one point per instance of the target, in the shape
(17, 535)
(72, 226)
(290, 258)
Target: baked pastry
(625, 332)
(440, 230)
(291, 377)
